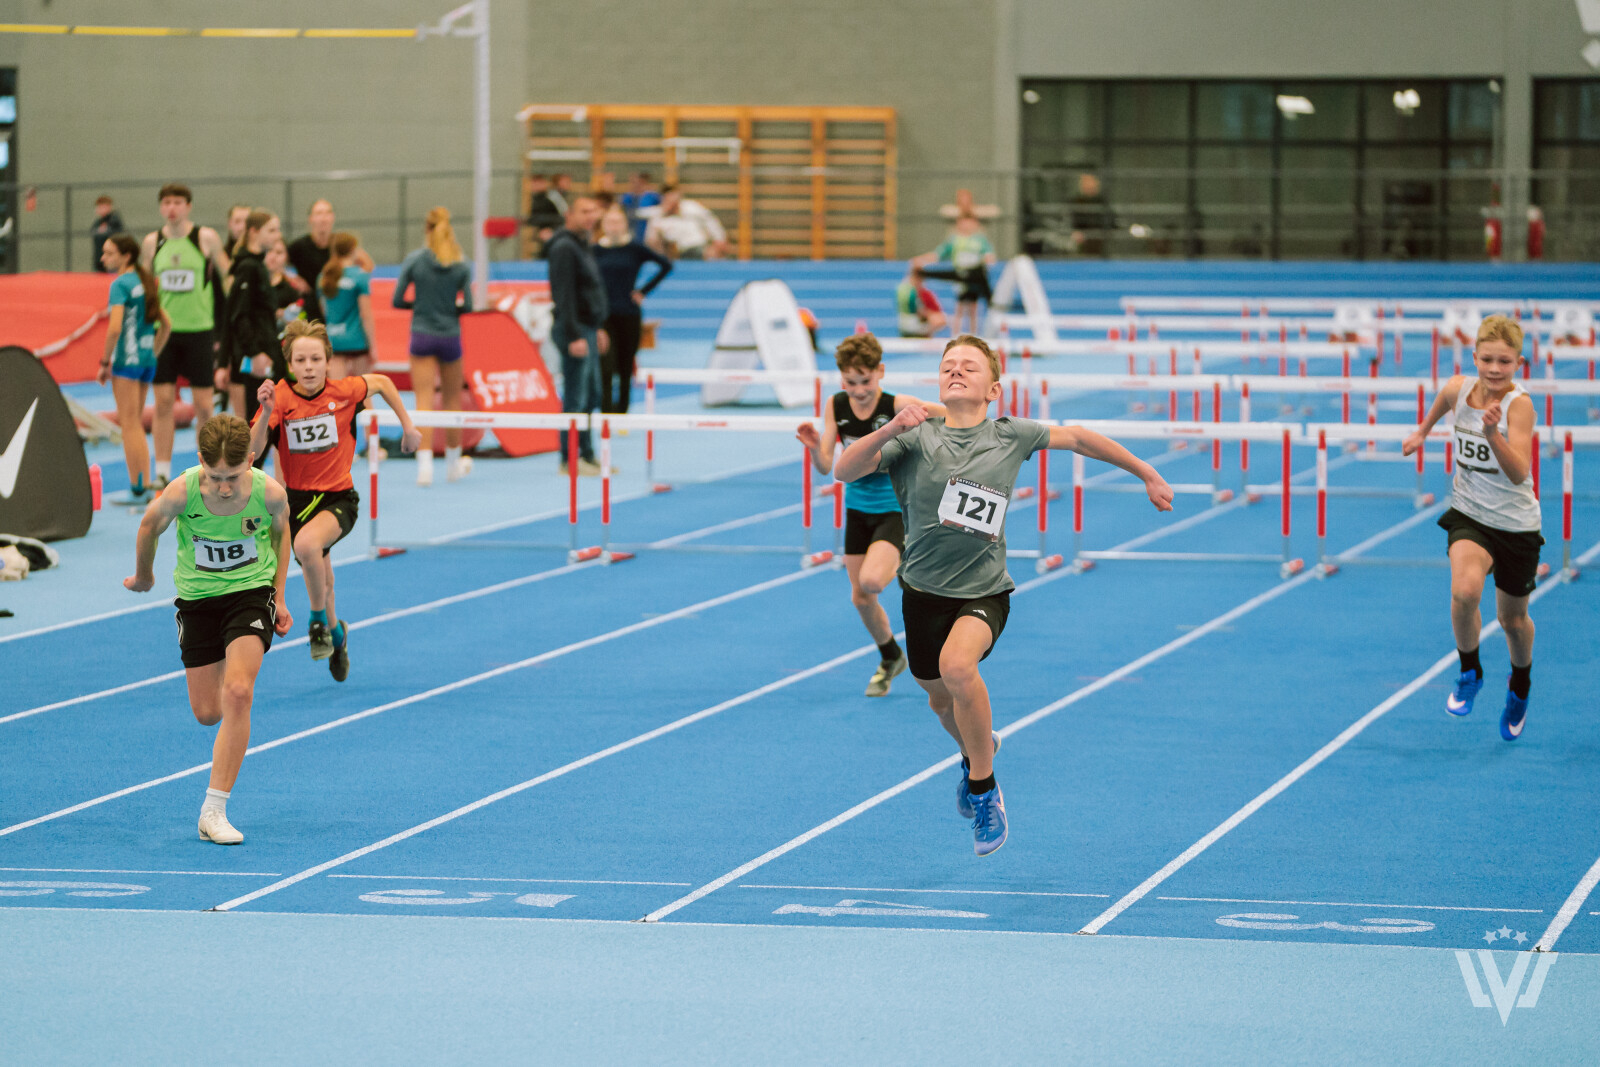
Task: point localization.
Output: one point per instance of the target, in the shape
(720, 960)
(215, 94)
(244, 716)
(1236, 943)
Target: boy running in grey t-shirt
(954, 478)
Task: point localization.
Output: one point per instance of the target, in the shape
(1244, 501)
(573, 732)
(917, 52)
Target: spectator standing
(579, 297)
(685, 229)
(309, 253)
(136, 329)
(107, 221)
(620, 257)
(346, 291)
(640, 195)
(182, 256)
(443, 293)
(237, 214)
(1090, 216)
(544, 218)
(970, 255)
(254, 355)
(605, 189)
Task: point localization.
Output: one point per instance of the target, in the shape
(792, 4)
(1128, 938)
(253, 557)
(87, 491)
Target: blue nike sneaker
(1513, 717)
(988, 821)
(1467, 686)
(963, 801)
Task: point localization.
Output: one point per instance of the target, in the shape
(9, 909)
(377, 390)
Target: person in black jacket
(253, 352)
(620, 258)
(580, 312)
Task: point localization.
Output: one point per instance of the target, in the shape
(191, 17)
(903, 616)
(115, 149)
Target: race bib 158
(973, 508)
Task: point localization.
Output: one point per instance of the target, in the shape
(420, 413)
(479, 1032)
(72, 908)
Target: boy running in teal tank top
(233, 558)
(874, 534)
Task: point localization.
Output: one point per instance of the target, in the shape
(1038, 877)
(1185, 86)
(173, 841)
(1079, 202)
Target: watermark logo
(1503, 992)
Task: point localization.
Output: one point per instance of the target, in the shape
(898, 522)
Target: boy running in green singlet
(954, 477)
(233, 557)
(874, 534)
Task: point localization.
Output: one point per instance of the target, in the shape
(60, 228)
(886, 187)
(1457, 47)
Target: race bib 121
(973, 508)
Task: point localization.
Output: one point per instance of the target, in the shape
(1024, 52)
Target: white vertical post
(480, 162)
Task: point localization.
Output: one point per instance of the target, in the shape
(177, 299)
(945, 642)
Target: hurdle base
(1542, 571)
(584, 555)
(1081, 565)
(1423, 500)
(1047, 564)
(661, 487)
(817, 559)
(615, 557)
(1325, 569)
(385, 551)
(1291, 567)
(1222, 496)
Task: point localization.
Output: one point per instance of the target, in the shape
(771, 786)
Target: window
(1357, 169)
(1566, 162)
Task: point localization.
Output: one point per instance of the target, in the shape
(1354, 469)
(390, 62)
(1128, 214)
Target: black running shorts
(1515, 552)
(207, 626)
(305, 504)
(862, 528)
(188, 356)
(930, 618)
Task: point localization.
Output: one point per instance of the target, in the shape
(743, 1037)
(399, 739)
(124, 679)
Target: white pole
(480, 164)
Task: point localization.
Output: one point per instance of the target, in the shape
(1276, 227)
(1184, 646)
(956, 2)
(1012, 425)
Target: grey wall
(97, 109)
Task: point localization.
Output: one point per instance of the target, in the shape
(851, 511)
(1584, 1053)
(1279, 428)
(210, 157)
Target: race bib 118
(223, 555)
(973, 508)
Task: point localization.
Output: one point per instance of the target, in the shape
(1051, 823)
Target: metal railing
(1242, 213)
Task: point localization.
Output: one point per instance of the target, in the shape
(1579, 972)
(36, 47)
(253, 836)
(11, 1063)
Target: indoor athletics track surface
(1243, 786)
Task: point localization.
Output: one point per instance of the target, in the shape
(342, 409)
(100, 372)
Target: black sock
(1470, 662)
(889, 650)
(1521, 680)
(976, 786)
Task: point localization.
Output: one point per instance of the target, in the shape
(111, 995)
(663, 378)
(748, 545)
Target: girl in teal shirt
(137, 328)
(346, 292)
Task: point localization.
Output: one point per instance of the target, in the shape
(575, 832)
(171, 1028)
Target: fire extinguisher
(1535, 233)
(1493, 232)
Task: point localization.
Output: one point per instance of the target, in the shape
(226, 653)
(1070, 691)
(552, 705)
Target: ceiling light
(1406, 101)
(1292, 106)
(1030, 96)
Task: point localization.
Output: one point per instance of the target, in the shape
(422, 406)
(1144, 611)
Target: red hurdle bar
(1566, 507)
(1198, 365)
(1244, 444)
(1433, 369)
(1345, 405)
(1172, 395)
(1322, 501)
(572, 483)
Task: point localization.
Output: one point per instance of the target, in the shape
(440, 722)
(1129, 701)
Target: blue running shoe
(988, 821)
(963, 802)
(1513, 717)
(1467, 686)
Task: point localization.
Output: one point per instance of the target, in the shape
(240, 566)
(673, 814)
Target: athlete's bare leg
(222, 692)
(129, 395)
(1518, 625)
(869, 575)
(162, 425)
(202, 396)
(450, 385)
(1470, 563)
(960, 698)
(313, 539)
(424, 379)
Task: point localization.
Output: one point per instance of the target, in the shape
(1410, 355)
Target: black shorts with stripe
(208, 625)
(930, 618)
(305, 504)
(1515, 552)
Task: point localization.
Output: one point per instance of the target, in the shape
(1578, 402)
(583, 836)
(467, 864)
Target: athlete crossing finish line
(1493, 522)
(314, 420)
(233, 558)
(874, 532)
(954, 478)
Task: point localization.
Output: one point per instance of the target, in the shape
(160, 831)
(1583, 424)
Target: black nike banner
(44, 478)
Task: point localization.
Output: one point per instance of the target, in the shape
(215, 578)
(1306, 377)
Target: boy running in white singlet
(1493, 522)
(874, 533)
(954, 477)
(233, 558)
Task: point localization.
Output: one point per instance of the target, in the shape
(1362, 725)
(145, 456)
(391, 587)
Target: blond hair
(300, 328)
(859, 351)
(224, 441)
(968, 340)
(1501, 328)
(441, 237)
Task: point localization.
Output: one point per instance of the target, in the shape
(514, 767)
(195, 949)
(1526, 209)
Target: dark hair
(670, 187)
(175, 189)
(103, 199)
(339, 250)
(224, 441)
(558, 177)
(258, 218)
(859, 351)
(128, 246)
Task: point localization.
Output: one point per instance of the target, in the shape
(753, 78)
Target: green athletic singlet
(220, 554)
(180, 267)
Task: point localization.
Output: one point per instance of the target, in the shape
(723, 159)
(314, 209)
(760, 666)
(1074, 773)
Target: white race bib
(1473, 452)
(973, 508)
(316, 434)
(223, 555)
(177, 281)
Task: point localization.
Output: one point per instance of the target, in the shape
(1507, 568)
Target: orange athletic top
(316, 435)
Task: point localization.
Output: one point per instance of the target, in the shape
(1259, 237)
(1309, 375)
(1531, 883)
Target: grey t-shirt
(922, 463)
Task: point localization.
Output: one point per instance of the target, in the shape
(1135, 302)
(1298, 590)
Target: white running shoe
(460, 467)
(424, 469)
(215, 827)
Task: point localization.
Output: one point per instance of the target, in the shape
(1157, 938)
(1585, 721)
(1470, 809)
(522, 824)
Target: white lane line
(1344, 738)
(1569, 910)
(950, 761)
(531, 881)
(568, 768)
(883, 889)
(543, 657)
(1347, 904)
(473, 594)
(97, 870)
(1395, 531)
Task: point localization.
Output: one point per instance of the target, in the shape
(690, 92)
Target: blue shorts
(442, 348)
(142, 372)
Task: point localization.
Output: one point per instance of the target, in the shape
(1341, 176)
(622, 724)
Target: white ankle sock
(425, 461)
(163, 470)
(216, 800)
(451, 455)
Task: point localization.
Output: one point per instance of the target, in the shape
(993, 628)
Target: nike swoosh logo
(196, 516)
(11, 458)
(980, 611)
